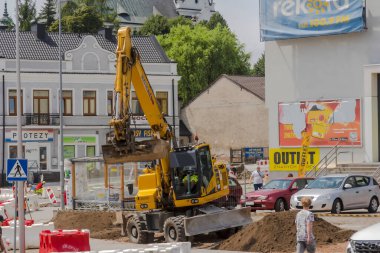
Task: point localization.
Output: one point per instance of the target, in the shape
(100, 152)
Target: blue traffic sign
(17, 169)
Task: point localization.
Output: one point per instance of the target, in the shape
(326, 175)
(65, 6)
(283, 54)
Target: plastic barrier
(64, 241)
(32, 202)
(6, 194)
(32, 240)
(51, 196)
(10, 222)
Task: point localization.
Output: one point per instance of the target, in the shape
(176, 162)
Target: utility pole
(20, 185)
(61, 153)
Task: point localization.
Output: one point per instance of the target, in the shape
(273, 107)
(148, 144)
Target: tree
(203, 55)
(216, 19)
(48, 12)
(85, 19)
(155, 25)
(27, 14)
(259, 67)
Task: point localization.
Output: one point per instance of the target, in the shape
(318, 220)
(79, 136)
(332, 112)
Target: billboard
(287, 19)
(331, 122)
(288, 159)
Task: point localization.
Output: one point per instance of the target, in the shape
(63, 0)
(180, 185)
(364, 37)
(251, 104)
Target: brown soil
(99, 223)
(277, 233)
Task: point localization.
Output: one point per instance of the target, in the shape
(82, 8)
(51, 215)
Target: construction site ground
(105, 235)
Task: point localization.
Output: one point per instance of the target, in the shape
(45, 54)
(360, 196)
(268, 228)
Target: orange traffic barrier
(64, 241)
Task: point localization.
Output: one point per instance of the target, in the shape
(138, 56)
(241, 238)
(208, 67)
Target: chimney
(107, 33)
(38, 30)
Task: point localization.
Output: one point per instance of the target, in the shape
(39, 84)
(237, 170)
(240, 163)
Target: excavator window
(205, 165)
(185, 174)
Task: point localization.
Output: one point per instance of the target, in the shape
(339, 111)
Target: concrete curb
(372, 215)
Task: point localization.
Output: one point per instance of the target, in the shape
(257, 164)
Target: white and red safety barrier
(51, 196)
(64, 241)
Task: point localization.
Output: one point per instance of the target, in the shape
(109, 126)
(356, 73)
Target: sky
(242, 17)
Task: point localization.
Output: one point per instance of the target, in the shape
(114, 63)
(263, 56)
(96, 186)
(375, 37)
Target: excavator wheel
(135, 231)
(174, 230)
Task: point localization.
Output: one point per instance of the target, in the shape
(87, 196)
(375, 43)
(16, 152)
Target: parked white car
(365, 240)
(340, 192)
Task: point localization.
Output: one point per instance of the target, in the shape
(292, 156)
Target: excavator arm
(129, 71)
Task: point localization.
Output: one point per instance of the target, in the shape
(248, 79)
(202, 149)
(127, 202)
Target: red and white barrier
(64, 241)
(51, 196)
(32, 240)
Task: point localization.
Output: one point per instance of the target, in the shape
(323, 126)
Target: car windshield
(326, 183)
(277, 184)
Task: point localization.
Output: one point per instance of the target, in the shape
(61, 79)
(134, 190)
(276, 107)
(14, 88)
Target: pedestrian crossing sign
(17, 169)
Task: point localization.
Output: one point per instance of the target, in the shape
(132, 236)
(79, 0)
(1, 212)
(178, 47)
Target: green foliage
(180, 20)
(155, 25)
(48, 12)
(216, 19)
(203, 55)
(27, 13)
(85, 19)
(259, 67)
(85, 16)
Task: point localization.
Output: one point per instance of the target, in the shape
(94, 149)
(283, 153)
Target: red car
(276, 194)
(233, 198)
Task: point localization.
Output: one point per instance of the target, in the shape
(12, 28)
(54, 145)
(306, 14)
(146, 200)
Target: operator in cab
(190, 181)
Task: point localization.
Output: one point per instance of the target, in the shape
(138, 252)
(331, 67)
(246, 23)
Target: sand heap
(99, 223)
(277, 233)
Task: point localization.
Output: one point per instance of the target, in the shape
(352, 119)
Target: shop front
(36, 147)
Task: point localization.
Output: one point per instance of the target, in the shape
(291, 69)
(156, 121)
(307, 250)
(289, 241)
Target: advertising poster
(287, 19)
(288, 159)
(331, 122)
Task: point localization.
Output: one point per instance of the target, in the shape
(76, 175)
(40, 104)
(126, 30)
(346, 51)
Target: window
(12, 98)
(68, 151)
(351, 181)
(110, 103)
(362, 181)
(90, 151)
(136, 108)
(67, 96)
(89, 103)
(162, 98)
(13, 151)
(41, 101)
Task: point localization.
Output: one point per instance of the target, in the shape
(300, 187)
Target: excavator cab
(191, 170)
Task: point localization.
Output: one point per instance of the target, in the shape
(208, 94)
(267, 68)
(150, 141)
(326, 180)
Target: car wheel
(280, 205)
(337, 206)
(373, 205)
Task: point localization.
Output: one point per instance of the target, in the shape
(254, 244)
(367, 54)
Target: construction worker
(192, 188)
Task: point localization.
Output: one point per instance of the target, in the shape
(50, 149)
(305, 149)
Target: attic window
(125, 16)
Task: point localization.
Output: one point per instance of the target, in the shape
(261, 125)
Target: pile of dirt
(100, 224)
(277, 233)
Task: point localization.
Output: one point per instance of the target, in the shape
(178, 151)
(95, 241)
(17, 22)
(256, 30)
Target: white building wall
(327, 67)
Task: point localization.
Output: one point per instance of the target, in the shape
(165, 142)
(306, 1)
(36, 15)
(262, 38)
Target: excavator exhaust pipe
(147, 150)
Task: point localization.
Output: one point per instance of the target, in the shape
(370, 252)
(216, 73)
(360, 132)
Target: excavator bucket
(217, 220)
(142, 151)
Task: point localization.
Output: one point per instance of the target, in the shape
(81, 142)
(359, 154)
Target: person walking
(2, 247)
(304, 224)
(257, 179)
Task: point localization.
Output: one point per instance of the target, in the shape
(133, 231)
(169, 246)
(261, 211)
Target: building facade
(88, 77)
(231, 113)
(342, 69)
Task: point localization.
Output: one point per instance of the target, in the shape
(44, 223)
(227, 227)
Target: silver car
(340, 192)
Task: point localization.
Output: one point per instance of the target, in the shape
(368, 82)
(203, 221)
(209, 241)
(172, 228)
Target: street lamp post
(20, 185)
(62, 183)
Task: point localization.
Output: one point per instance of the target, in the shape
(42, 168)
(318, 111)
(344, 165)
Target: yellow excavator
(175, 194)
